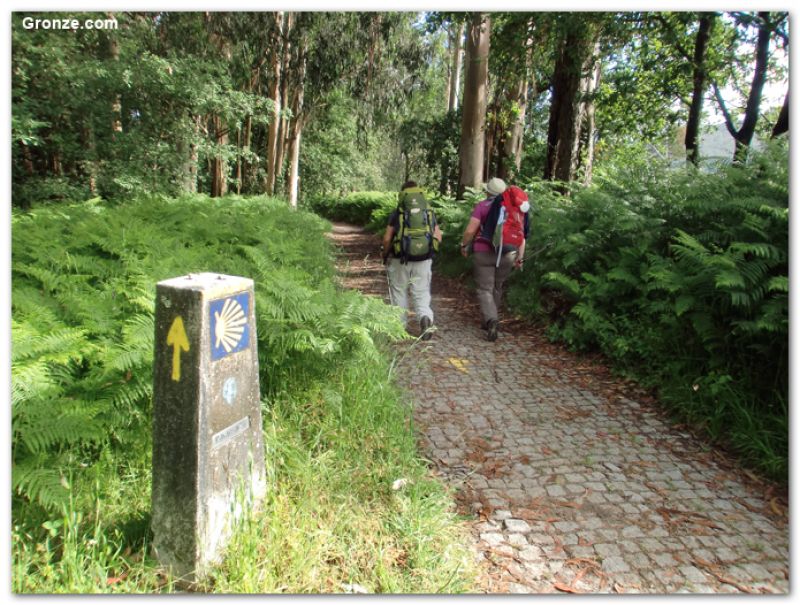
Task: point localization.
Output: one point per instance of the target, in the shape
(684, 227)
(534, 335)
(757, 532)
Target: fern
(566, 284)
(38, 483)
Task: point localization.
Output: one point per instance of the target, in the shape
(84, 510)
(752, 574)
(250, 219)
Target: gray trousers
(414, 276)
(490, 280)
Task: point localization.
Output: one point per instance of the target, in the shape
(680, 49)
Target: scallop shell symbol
(230, 323)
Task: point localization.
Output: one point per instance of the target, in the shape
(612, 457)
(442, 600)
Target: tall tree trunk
(592, 83)
(219, 170)
(493, 136)
(238, 161)
(55, 163)
(454, 80)
(566, 108)
(247, 169)
(27, 159)
(514, 140)
(275, 96)
(87, 140)
(293, 182)
(190, 182)
(699, 84)
(782, 125)
(512, 147)
(473, 121)
(744, 135)
(283, 127)
(116, 104)
(296, 129)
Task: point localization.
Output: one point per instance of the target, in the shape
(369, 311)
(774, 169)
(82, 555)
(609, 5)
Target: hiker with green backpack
(496, 235)
(411, 239)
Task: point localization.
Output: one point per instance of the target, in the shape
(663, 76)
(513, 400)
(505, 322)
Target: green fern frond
(31, 381)
(565, 283)
(42, 485)
(729, 279)
(56, 422)
(136, 349)
(684, 303)
(688, 246)
(779, 283)
(758, 249)
(60, 346)
(51, 281)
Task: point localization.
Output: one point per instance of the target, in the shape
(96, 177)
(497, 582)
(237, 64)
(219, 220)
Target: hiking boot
(491, 330)
(424, 326)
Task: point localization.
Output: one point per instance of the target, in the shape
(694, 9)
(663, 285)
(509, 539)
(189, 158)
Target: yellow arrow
(176, 337)
(460, 364)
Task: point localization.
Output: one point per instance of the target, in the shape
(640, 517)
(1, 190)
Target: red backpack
(515, 225)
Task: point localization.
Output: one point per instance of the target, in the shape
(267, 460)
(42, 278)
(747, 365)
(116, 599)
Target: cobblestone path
(572, 483)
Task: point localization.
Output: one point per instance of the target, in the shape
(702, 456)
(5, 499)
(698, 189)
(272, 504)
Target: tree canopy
(312, 102)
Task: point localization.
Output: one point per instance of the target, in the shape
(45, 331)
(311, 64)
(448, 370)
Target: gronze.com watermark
(68, 23)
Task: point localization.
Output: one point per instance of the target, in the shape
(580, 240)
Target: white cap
(495, 186)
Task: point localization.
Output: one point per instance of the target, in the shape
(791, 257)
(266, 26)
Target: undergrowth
(337, 435)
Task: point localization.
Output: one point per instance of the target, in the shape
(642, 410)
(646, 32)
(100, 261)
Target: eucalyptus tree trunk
(588, 128)
(454, 81)
(493, 137)
(296, 129)
(219, 169)
(247, 136)
(699, 85)
(471, 148)
(575, 59)
(275, 96)
(293, 182)
(238, 161)
(283, 125)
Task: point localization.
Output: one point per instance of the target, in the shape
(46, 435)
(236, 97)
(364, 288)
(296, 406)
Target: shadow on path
(573, 481)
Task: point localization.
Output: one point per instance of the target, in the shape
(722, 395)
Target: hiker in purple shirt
(490, 271)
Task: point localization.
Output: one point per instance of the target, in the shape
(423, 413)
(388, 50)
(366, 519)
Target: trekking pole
(500, 221)
(389, 284)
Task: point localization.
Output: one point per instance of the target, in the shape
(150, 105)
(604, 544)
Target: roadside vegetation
(338, 434)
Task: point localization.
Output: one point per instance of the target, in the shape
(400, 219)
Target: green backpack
(414, 240)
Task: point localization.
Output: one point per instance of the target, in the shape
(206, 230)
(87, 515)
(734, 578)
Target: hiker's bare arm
(520, 255)
(387, 239)
(469, 234)
(437, 233)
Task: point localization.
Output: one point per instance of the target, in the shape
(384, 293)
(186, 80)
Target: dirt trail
(574, 483)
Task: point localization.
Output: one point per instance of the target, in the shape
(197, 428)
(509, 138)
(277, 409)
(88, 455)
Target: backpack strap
(490, 222)
(397, 246)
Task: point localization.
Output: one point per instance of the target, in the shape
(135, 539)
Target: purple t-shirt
(481, 211)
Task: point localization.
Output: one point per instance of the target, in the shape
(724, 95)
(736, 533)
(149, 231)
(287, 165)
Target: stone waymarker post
(208, 452)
